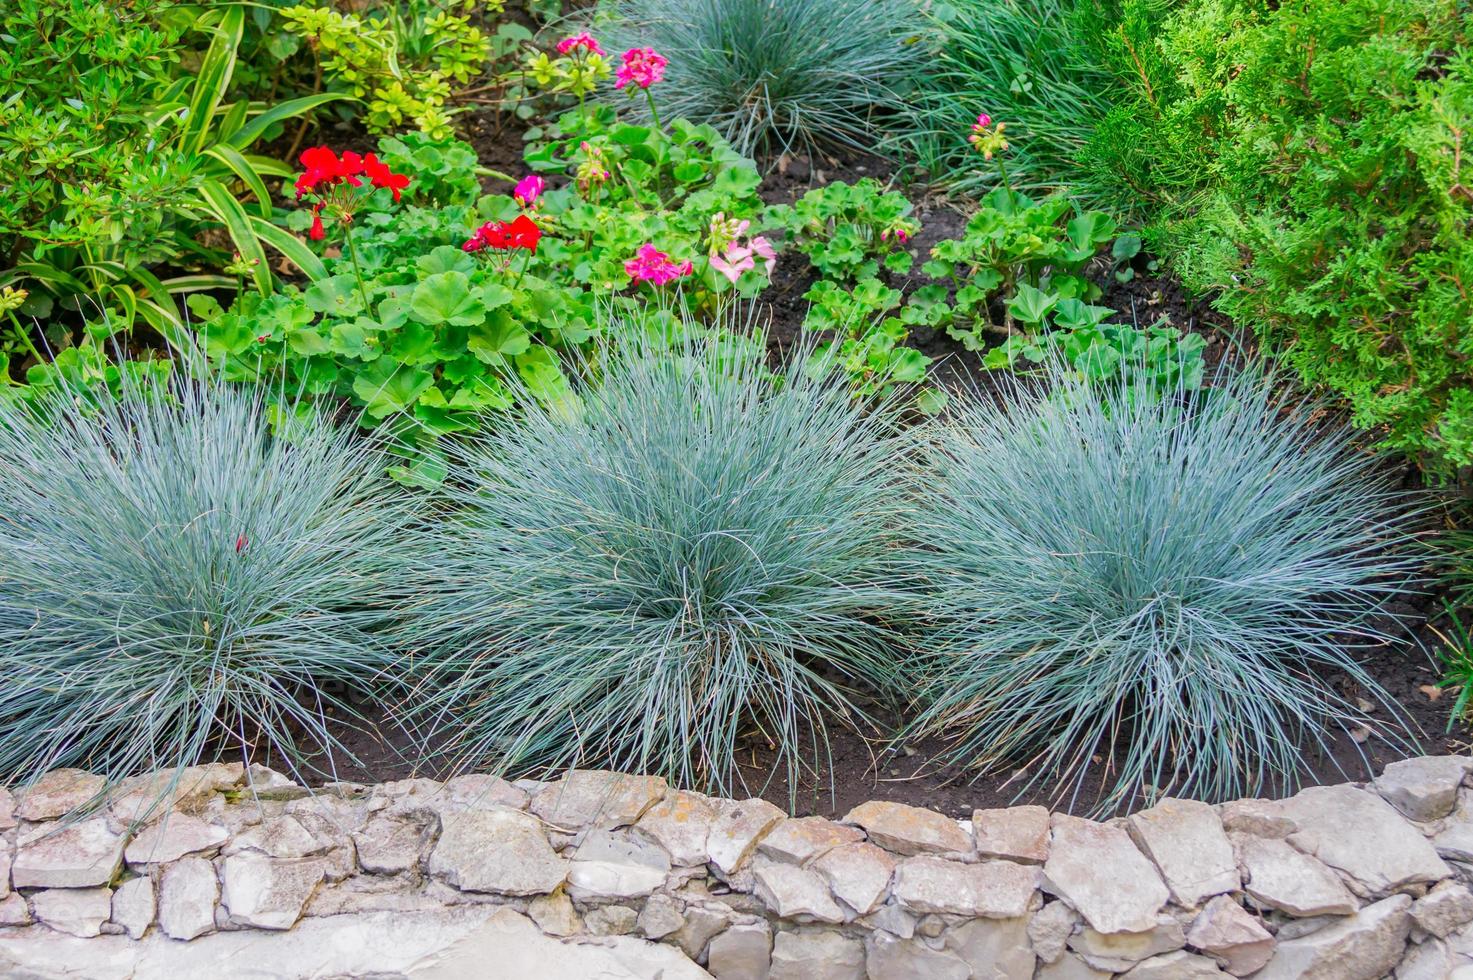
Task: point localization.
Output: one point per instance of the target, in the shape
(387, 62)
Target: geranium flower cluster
(641, 67)
(987, 139)
(578, 69)
(653, 266)
(330, 180)
(729, 255)
(505, 236)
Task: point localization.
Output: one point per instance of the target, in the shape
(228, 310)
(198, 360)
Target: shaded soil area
(863, 765)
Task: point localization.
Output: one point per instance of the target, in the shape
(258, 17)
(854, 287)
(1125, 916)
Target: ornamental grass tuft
(695, 556)
(1151, 595)
(774, 75)
(177, 583)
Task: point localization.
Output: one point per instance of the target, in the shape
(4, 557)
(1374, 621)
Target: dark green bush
(1306, 164)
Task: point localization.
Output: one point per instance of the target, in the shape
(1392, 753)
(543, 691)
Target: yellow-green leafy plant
(402, 60)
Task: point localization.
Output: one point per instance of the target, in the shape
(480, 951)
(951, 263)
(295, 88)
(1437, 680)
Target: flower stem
(24, 336)
(659, 147)
(357, 269)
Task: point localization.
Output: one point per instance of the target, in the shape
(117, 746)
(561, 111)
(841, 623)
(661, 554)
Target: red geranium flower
(506, 235)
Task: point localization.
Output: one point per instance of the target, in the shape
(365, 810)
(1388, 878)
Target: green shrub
(405, 59)
(694, 555)
(1304, 161)
(775, 75)
(1173, 585)
(1036, 65)
(117, 171)
(176, 582)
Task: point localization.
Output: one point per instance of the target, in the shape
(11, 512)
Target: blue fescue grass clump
(176, 582)
(1161, 586)
(695, 554)
(775, 75)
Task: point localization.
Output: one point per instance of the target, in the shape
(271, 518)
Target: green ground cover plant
(696, 553)
(777, 75)
(1165, 583)
(178, 582)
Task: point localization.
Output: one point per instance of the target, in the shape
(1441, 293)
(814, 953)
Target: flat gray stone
(1278, 876)
(74, 911)
(816, 956)
(994, 949)
(795, 893)
(1427, 960)
(742, 952)
(4, 867)
(1049, 930)
(1425, 788)
(680, 824)
(472, 941)
(738, 827)
(858, 875)
(798, 840)
(1365, 946)
(283, 836)
(992, 889)
(1119, 951)
(554, 914)
(392, 844)
(889, 958)
(497, 850)
(57, 794)
(133, 906)
(660, 917)
(1261, 818)
(188, 790)
(610, 920)
(188, 892)
(266, 892)
(1186, 842)
(702, 924)
(1017, 833)
(1454, 842)
(83, 855)
(595, 798)
(910, 830)
(1071, 967)
(1096, 869)
(611, 881)
(1233, 935)
(1446, 907)
(620, 847)
(1179, 965)
(173, 837)
(13, 911)
(7, 809)
(1362, 836)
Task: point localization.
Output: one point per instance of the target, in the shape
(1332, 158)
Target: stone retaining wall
(599, 875)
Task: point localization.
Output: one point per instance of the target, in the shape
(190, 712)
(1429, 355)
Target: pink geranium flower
(528, 189)
(654, 266)
(735, 259)
(642, 67)
(582, 40)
